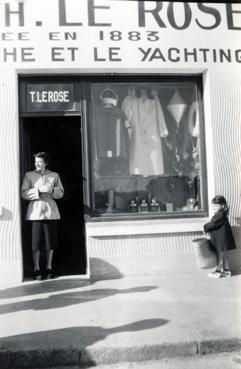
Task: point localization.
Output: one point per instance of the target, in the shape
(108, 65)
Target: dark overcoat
(220, 231)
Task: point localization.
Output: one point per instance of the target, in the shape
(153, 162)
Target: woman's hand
(45, 189)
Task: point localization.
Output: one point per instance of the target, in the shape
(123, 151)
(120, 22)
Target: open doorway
(60, 136)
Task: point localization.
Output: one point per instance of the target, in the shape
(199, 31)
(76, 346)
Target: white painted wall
(10, 241)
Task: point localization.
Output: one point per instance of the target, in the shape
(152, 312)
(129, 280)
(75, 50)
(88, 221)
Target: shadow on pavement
(65, 346)
(69, 298)
(37, 287)
(34, 287)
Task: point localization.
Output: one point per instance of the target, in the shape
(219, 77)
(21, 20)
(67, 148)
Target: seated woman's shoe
(226, 273)
(215, 274)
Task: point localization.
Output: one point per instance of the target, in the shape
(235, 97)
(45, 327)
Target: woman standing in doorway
(41, 187)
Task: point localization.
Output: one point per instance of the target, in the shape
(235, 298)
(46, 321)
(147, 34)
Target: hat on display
(109, 97)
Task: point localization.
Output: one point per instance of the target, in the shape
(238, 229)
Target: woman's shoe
(49, 274)
(37, 275)
(215, 274)
(226, 273)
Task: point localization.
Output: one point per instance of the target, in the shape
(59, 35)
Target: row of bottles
(144, 206)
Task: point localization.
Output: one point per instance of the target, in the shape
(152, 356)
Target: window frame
(90, 214)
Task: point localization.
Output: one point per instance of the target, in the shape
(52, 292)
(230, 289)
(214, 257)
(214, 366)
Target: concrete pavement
(71, 321)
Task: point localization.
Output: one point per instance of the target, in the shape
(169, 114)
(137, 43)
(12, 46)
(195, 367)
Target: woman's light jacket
(42, 205)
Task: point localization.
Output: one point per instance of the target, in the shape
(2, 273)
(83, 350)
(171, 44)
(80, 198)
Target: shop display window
(147, 148)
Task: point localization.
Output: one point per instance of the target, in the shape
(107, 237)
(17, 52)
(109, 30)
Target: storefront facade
(138, 104)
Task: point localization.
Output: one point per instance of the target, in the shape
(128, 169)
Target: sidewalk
(68, 321)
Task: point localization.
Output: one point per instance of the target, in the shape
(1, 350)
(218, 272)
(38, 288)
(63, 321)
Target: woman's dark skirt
(44, 235)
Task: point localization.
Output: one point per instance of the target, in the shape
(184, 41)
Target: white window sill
(139, 227)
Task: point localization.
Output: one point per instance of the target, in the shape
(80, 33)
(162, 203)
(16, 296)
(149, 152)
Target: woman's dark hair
(219, 199)
(43, 155)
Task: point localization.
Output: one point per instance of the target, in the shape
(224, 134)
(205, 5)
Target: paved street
(72, 321)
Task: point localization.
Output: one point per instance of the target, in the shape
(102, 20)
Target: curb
(106, 355)
(215, 346)
(91, 356)
(38, 358)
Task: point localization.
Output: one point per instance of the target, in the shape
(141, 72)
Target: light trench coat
(148, 126)
(42, 205)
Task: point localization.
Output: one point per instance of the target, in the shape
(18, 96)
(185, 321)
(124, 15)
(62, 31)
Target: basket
(206, 255)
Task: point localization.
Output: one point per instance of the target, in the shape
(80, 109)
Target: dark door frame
(22, 148)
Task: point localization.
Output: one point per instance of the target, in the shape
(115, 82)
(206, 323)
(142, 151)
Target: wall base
(147, 265)
(134, 265)
(152, 254)
(11, 274)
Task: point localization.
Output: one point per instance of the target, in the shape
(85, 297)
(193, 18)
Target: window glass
(146, 141)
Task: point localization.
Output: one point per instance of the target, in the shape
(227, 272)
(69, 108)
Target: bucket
(205, 253)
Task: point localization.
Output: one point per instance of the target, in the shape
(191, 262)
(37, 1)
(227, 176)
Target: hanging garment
(110, 132)
(194, 120)
(148, 126)
(110, 138)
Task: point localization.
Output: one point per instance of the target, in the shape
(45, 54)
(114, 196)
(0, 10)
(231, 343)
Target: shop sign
(49, 97)
(104, 33)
